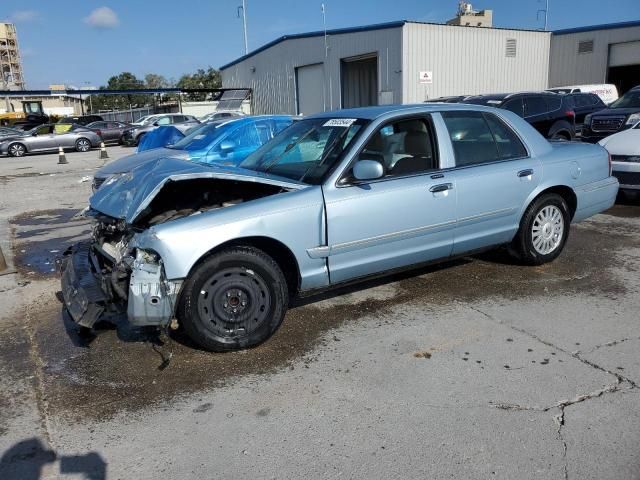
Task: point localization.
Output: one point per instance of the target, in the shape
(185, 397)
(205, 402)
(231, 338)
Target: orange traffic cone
(62, 159)
(103, 152)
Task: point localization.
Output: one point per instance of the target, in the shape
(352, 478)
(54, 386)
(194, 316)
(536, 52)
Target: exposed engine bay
(132, 279)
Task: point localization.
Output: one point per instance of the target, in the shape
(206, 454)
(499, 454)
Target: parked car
(552, 115)
(81, 119)
(585, 104)
(132, 136)
(209, 117)
(160, 137)
(225, 141)
(608, 93)
(624, 148)
(621, 115)
(452, 99)
(336, 197)
(46, 138)
(110, 131)
(10, 132)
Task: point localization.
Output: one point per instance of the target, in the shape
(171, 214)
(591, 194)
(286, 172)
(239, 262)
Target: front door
(45, 139)
(494, 175)
(406, 217)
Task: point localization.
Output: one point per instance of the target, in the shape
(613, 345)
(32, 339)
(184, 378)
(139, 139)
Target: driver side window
(164, 121)
(245, 136)
(405, 147)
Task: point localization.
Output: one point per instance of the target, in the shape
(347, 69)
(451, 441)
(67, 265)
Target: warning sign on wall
(426, 77)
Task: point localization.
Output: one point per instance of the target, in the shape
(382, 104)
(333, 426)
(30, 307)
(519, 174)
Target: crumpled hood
(128, 163)
(127, 195)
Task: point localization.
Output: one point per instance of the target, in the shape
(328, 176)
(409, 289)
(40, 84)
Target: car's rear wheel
(235, 299)
(544, 230)
(83, 145)
(17, 150)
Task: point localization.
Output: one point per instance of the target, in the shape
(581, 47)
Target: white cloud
(23, 16)
(102, 17)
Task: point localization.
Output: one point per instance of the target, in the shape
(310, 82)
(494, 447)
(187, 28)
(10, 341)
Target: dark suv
(622, 114)
(584, 104)
(551, 114)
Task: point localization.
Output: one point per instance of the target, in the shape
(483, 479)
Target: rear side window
(508, 143)
(554, 103)
(535, 106)
(479, 138)
(515, 106)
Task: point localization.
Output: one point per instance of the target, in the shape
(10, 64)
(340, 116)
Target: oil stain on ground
(41, 237)
(115, 371)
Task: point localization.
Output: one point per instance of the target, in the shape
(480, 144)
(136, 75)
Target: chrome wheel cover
(547, 230)
(83, 145)
(17, 150)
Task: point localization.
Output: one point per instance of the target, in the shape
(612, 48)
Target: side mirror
(156, 124)
(368, 170)
(227, 146)
(34, 134)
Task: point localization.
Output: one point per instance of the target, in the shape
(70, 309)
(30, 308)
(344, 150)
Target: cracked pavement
(476, 369)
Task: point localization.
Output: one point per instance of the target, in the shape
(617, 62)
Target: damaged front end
(103, 279)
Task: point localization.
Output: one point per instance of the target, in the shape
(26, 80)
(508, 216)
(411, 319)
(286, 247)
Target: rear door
(536, 112)
(493, 176)
(404, 218)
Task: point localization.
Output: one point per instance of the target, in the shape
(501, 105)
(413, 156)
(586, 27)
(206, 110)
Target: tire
(17, 150)
(560, 131)
(543, 231)
(83, 145)
(234, 299)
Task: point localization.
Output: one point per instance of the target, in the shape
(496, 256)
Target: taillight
(570, 113)
(99, 132)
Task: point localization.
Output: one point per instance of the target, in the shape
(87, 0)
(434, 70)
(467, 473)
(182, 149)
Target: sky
(84, 42)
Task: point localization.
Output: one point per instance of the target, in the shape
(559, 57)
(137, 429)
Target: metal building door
(310, 89)
(359, 82)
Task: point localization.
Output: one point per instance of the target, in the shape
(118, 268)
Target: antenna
(546, 14)
(243, 8)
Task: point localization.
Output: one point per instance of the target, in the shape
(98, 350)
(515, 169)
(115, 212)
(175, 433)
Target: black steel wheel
(83, 145)
(17, 150)
(234, 299)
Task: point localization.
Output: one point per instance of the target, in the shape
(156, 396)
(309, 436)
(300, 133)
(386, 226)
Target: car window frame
(546, 110)
(506, 123)
(345, 181)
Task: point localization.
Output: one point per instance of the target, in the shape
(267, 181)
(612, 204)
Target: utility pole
(243, 7)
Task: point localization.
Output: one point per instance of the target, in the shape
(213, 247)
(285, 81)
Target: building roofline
(605, 26)
(364, 28)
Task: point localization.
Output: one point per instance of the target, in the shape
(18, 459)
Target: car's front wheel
(83, 145)
(544, 230)
(17, 150)
(235, 299)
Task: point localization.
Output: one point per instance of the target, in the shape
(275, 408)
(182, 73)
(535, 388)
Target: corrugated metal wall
(568, 67)
(271, 73)
(471, 60)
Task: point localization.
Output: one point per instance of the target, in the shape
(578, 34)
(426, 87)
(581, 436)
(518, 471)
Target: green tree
(153, 80)
(209, 78)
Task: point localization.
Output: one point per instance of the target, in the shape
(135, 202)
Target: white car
(607, 92)
(624, 148)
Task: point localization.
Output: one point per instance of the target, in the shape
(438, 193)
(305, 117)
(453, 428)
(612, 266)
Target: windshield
(144, 120)
(628, 100)
(307, 150)
(202, 137)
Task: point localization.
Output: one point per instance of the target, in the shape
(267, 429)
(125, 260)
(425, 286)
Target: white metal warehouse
(399, 62)
(598, 54)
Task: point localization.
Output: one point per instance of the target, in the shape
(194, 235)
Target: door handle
(525, 173)
(443, 187)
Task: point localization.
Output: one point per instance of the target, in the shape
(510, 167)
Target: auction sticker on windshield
(340, 122)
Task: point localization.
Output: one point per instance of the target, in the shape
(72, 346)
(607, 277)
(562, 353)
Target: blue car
(337, 197)
(224, 142)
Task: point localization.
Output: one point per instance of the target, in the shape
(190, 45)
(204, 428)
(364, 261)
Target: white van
(607, 92)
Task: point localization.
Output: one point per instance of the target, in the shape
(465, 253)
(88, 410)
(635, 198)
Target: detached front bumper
(83, 286)
(90, 295)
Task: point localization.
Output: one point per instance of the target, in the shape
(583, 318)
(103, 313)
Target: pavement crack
(560, 421)
(575, 355)
(608, 344)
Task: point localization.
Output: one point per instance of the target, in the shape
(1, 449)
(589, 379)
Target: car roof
(371, 113)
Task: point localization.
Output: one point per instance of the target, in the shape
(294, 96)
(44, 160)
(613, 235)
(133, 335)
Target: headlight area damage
(106, 277)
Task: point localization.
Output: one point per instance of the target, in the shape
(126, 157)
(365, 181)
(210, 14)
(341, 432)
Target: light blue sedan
(335, 198)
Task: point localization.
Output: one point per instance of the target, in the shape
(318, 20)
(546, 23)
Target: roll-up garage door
(359, 82)
(310, 89)
(621, 54)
